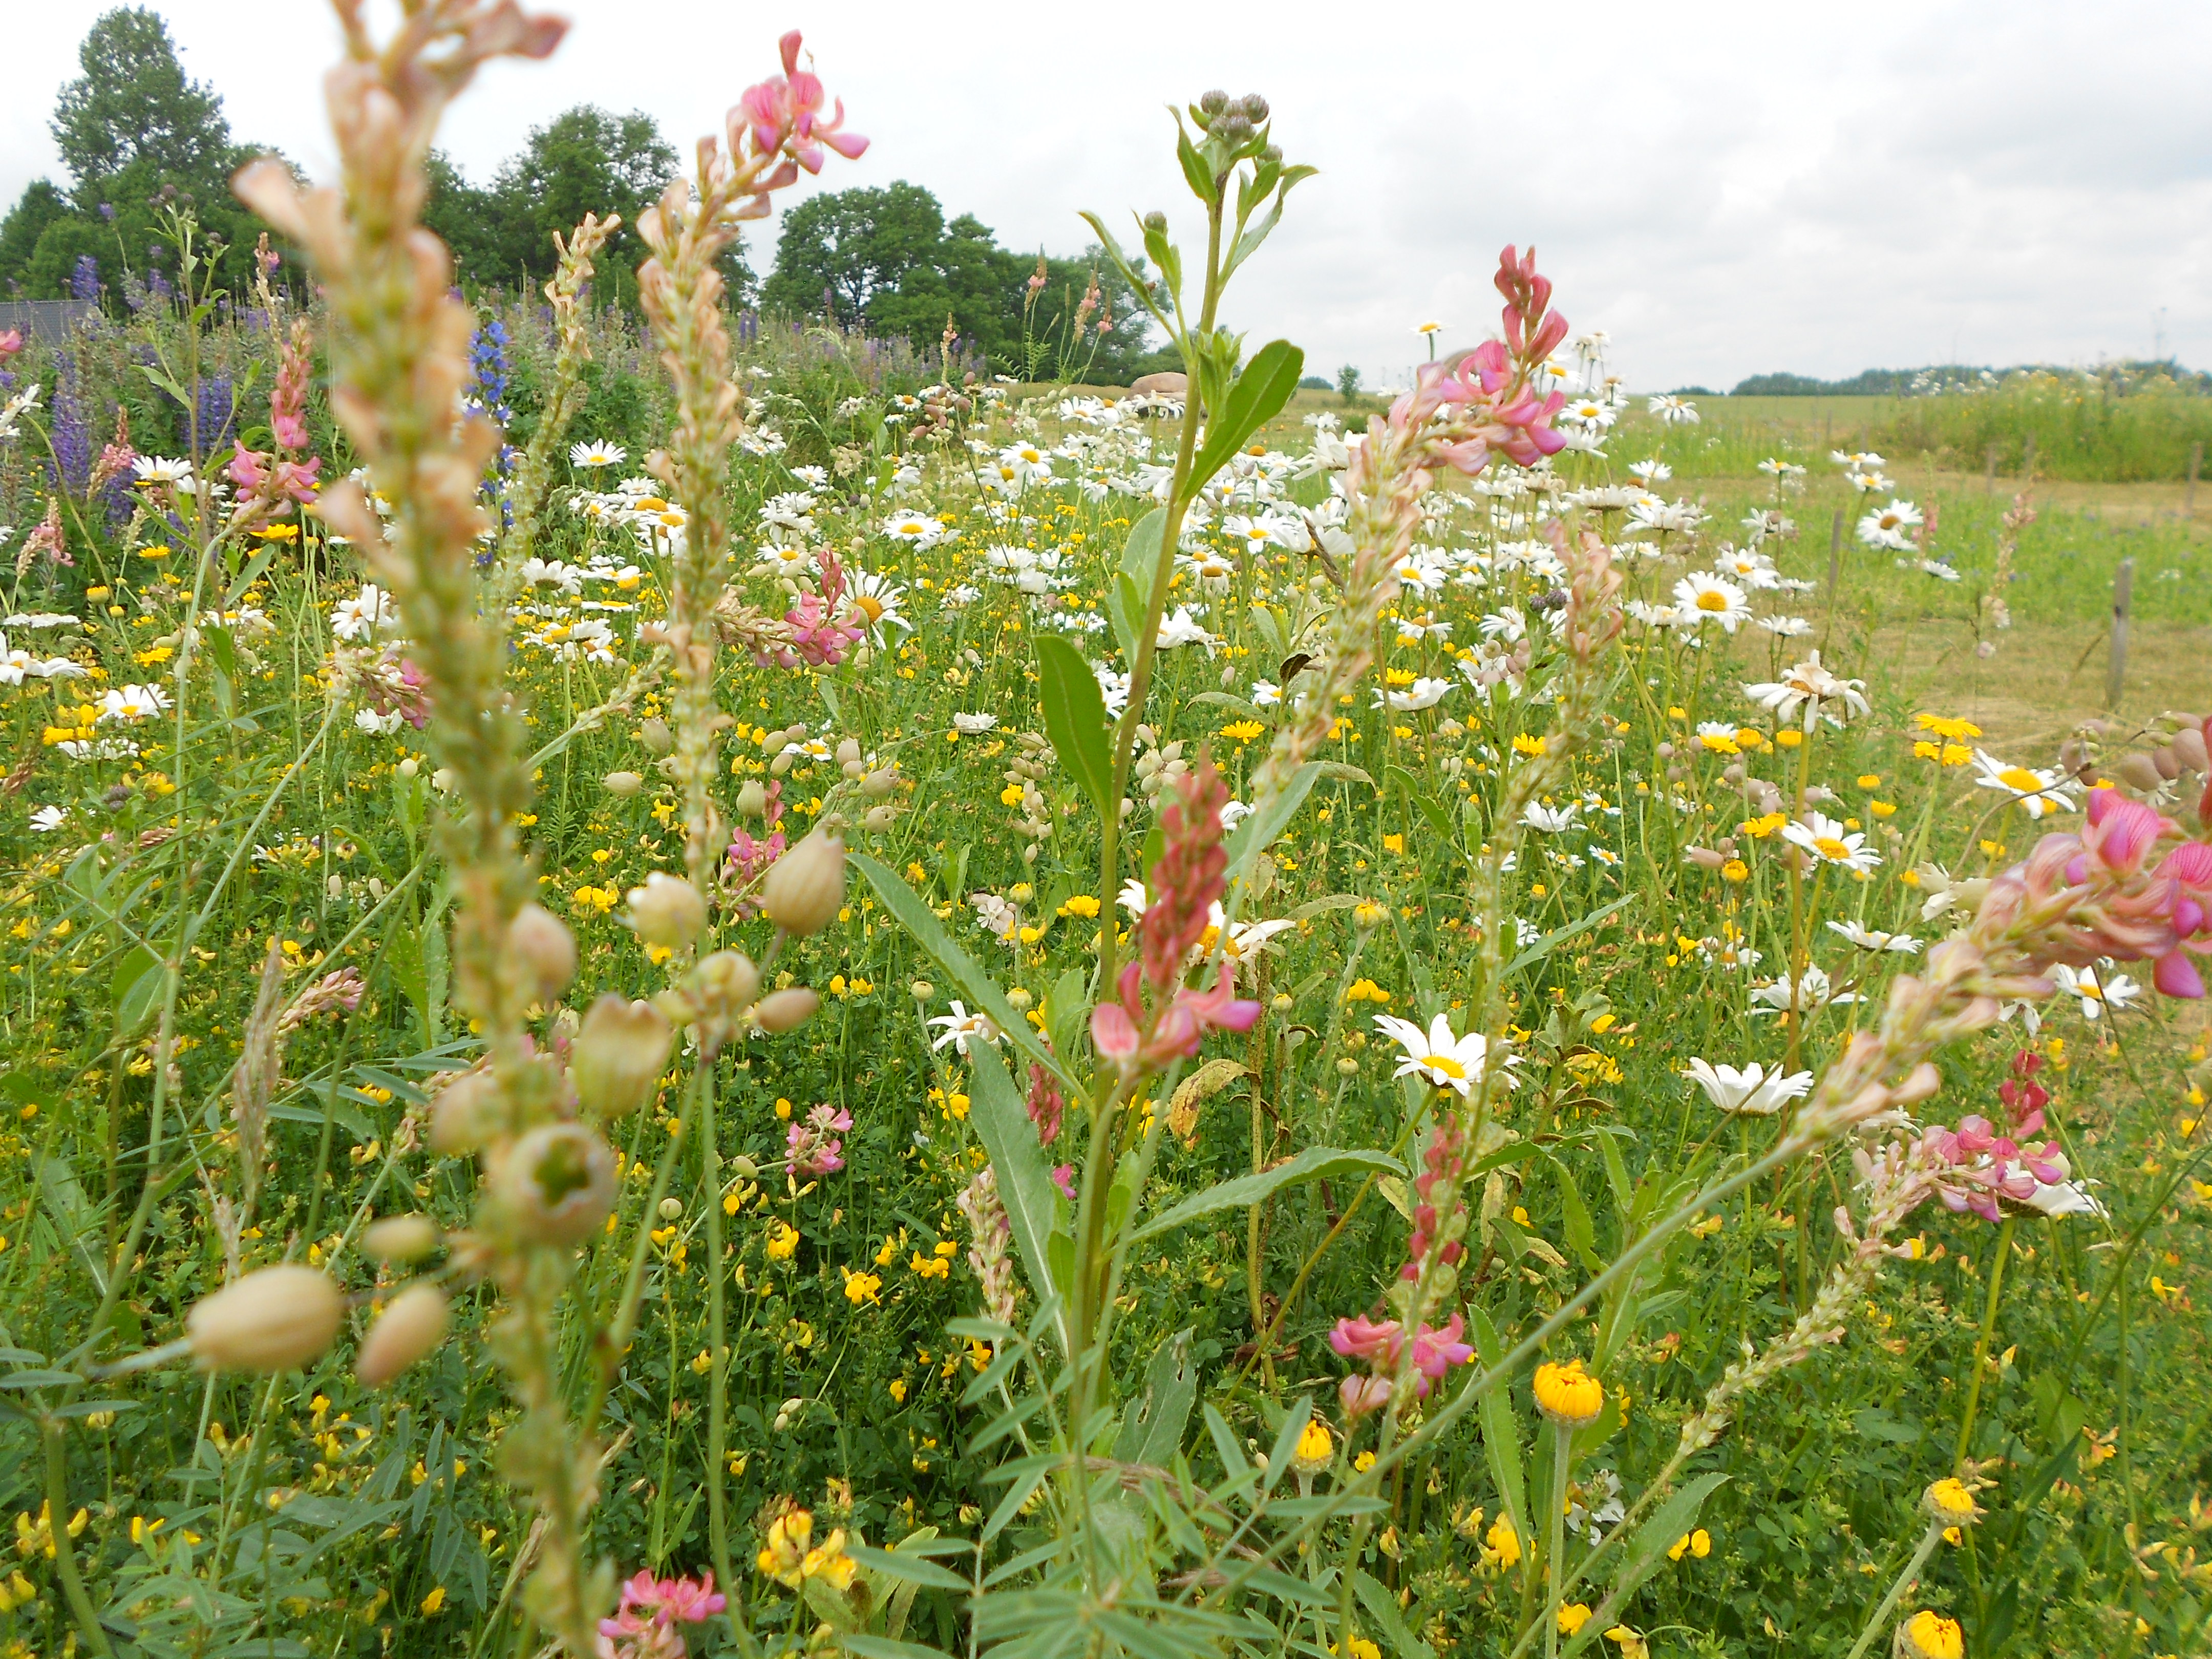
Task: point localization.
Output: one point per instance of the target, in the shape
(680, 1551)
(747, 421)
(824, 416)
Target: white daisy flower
(597, 455)
(1445, 1061)
(1754, 1092)
(973, 725)
(2036, 792)
(1713, 599)
(1828, 841)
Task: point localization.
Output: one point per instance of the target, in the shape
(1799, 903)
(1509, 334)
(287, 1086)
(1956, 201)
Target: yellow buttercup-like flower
(1948, 1501)
(1315, 1449)
(1931, 1636)
(1569, 1395)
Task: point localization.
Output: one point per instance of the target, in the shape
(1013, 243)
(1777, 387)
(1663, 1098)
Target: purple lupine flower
(84, 280)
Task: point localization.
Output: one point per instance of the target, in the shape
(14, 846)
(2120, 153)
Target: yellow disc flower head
(1948, 1501)
(1931, 1636)
(1569, 1395)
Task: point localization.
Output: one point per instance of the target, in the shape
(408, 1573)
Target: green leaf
(1382, 1608)
(1256, 398)
(1315, 1164)
(1024, 1182)
(918, 919)
(1501, 1433)
(906, 1569)
(1075, 717)
(882, 1647)
(1677, 1516)
(1196, 172)
(1544, 946)
(1581, 1235)
(136, 983)
(1260, 829)
(1152, 1429)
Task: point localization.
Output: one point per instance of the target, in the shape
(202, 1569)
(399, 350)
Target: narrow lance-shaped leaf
(1075, 716)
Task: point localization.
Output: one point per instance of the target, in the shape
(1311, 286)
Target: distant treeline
(2129, 375)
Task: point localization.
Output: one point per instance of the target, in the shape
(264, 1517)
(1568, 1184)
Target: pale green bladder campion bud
(400, 1238)
(667, 911)
(785, 1010)
(724, 986)
(272, 1320)
(615, 1062)
(656, 736)
(805, 888)
(556, 1183)
(624, 784)
(412, 1324)
(466, 1114)
(752, 799)
(544, 951)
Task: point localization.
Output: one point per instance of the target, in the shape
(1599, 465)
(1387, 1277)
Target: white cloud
(1726, 188)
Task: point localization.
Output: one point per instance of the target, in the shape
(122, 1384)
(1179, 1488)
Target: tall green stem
(1982, 1341)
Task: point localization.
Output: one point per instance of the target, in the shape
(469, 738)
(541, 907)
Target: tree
(134, 103)
(887, 261)
(839, 251)
(40, 205)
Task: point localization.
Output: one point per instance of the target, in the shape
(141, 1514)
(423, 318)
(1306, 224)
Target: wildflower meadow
(679, 981)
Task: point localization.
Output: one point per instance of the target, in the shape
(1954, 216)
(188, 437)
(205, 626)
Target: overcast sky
(1726, 188)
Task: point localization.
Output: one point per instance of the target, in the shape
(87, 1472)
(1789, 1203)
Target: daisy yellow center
(874, 606)
(2020, 778)
(1712, 599)
(1447, 1065)
(1829, 847)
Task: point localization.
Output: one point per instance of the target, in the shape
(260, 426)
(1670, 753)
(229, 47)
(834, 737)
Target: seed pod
(544, 950)
(2189, 749)
(616, 1057)
(752, 799)
(412, 1324)
(882, 817)
(656, 736)
(2139, 771)
(744, 1169)
(557, 1184)
(272, 1320)
(784, 1011)
(667, 911)
(466, 1114)
(2168, 764)
(624, 784)
(804, 889)
(400, 1238)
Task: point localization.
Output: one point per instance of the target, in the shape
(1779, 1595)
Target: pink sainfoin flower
(273, 480)
(784, 114)
(2023, 1097)
(11, 341)
(1486, 397)
(820, 635)
(2131, 888)
(1143, 1035)
(812, 1145)
(750, 854)
(644, 1625)
(288, 400)
(1436, 1350)
(1045, 1104)
(1063, 1177)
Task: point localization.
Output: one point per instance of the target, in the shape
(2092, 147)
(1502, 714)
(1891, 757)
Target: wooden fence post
(2124, 587)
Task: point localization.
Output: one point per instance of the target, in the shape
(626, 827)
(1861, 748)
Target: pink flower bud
(616, 1060)
(412, 1324)
(272, 1320)
(667, 911)
(1362, 1395)
(804, 889)
(556, 1184)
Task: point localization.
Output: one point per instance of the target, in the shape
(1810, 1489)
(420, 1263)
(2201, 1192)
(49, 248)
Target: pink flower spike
(1063, 1177)
(1435, 1351)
